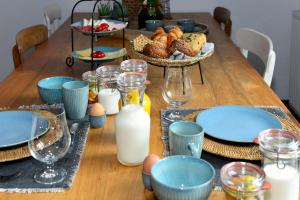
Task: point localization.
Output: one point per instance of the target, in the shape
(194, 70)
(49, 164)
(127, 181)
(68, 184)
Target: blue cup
(186, 138)
(187, 24)
(75, 98)
(151, 25)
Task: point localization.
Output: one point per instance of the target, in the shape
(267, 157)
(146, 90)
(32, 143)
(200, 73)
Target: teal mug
(75, 98)
(186, 138)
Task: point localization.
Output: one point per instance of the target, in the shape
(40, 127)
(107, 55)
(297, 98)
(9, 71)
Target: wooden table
(228, 79)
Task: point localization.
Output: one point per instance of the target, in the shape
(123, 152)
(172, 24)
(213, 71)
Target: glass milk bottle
(108, 95)
(281, 152)
(132, 122)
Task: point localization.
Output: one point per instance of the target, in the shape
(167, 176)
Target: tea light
(109, 98)
(285, 182)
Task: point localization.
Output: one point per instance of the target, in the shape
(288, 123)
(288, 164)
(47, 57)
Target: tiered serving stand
(93, 61)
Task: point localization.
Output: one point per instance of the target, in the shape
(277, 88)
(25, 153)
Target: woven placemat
(22, 151)
(233, 150)
(25, 168)
(218, 153)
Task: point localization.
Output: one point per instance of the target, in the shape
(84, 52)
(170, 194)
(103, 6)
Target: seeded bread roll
(155, 50)
(196, 41)
(181, 46)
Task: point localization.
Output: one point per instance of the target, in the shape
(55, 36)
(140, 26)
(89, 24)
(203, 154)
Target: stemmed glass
(177, 90)
(50, 147)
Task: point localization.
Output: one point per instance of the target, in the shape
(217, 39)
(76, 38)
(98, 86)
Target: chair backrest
(260, 45)
(28, 38)
(222, 16)
(52, 14)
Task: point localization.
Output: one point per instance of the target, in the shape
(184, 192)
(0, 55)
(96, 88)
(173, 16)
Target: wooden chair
(52, 14)
(260, 45)
(222, 16)
(26, 39)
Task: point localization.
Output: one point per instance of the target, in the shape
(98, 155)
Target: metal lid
(241, 178)
(279, 143)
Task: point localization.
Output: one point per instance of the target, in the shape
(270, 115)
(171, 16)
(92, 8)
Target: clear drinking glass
(50, 147)
(177, 90)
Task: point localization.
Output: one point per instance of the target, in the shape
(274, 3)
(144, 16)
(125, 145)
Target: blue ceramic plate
(236, 123)
(78, 24)
(15, 127)
(111, 53)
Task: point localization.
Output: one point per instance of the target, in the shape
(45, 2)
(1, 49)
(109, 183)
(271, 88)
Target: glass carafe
(281, 152)
(108, 95)
(132, 122)
(138, 66)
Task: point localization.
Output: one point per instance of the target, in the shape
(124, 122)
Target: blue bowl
(97, 121)
(187, 24)
(50, 89)
(151, 25)
(182, 177)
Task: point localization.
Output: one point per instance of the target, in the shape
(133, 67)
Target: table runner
(25, 183)
(215, 160)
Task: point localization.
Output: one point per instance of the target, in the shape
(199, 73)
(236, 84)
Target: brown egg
(149, 161)
(97, 110)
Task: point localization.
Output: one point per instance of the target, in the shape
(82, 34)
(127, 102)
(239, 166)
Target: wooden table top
(228, 79)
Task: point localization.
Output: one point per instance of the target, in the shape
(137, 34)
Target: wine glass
(177, 90)
(50, 147)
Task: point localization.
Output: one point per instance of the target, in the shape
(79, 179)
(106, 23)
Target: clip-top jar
(138, 66)
(281, 152)
(132, 122)
(108, 95)
(91, 78)
(243, 181)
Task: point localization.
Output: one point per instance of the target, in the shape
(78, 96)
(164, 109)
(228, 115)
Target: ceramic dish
(236, 123)
(200, 28)
(182, 177)
(119, 25)
(111, 53)
(15, 127)
(50, 89)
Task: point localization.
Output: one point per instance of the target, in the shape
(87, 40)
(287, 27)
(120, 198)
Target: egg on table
(149, 161)
(97, 110)
(97, 116)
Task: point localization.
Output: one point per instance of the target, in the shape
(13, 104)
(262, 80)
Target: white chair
(52, 14)
(260, 45)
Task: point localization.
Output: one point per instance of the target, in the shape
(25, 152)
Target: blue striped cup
(75, 98)
(186, 138)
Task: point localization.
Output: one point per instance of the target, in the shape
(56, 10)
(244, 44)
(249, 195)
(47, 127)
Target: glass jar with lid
(281, 151)
(91, 78)
(141, 67)
(108, 94)
(132, 122)
(243, 181)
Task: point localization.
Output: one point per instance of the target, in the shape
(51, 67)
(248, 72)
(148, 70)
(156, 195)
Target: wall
(16, 15)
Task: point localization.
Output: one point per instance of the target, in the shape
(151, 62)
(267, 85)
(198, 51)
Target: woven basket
(133, 7)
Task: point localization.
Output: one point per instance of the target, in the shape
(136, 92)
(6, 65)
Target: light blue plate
(106, 33)
(112, 53)
(236, 123)
(15, 127)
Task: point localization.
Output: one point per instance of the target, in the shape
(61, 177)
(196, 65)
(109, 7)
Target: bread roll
(177, 31)
(183, 47)
(196, 41)
(161, 38)
(155, 50)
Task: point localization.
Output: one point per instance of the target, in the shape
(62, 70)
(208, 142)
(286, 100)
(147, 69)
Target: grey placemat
(25, 183)
(215, 160)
